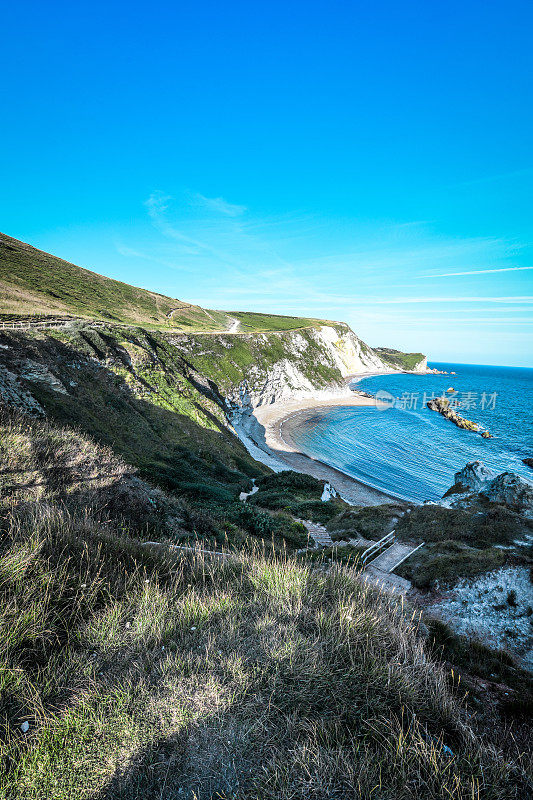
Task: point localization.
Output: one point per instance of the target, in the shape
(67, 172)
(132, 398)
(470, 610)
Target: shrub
(370, 522)
(316, 510)
(447, 562)
(206, 491)
(265, 526)
(485, 528)
(292, 482)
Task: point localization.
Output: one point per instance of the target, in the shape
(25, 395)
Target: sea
(405, 449)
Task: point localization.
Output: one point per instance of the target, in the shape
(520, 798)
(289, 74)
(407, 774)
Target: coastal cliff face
(422, 366)
(146, 393)
(204, 377)
(257, 369)
(395, 359)
(80, 372)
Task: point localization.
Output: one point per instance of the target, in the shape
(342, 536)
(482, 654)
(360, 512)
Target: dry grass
(61, 467)
(143, 674)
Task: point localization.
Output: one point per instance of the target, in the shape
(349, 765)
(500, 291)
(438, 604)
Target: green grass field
(398, 360)
(251, 321)
(35, 283)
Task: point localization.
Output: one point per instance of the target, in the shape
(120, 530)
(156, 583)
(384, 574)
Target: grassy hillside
(133, 392)
(250, 321)
(34, 283)
(130, 671)
(398, 360)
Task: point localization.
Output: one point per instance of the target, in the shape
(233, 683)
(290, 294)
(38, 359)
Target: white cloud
(157, 204)
(476, 272)
(516, 299)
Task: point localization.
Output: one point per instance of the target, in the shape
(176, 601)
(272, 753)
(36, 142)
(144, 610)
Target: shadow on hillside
(167, 445)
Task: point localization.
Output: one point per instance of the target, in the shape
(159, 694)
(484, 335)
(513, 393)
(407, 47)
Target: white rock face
(328, 493)
(347, 351)
(33, 371)
(513, 491)
(480, 607)
(422, 366)
(285, 379)
(475, 476)
(13, 393)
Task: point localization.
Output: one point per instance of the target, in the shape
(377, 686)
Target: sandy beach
(267, 434)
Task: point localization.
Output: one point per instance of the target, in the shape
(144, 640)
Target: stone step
(388, 559)
(386, 581)
(318, 533)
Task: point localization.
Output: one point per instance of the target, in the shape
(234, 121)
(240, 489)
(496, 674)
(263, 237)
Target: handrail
(406, 556)
(377, 547)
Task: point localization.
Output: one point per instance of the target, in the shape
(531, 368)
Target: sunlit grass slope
(144, 674)
(34, 282)
(398, 360)
(251, 321)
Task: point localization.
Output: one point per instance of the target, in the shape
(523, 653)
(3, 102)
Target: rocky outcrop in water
(443, 406)
(476, 482)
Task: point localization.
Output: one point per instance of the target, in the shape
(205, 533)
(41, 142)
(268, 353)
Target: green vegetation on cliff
(250, 321)
(398, 360)
(134, 392)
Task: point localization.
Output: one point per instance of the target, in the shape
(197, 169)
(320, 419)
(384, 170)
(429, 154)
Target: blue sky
(369, 162)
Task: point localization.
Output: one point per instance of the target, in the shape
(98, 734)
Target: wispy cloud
(476, 272)
(526, 299)
(367, 273)
(219, 205)
(158, 204)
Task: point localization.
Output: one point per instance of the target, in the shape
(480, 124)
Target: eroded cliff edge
(150, 390)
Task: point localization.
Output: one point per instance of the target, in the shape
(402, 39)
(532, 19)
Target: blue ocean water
(412, 452)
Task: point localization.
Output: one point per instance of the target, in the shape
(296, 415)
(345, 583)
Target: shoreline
(263, 434)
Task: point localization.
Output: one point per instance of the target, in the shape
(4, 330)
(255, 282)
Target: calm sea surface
(413, 452)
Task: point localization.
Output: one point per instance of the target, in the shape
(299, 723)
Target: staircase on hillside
(387, 554)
